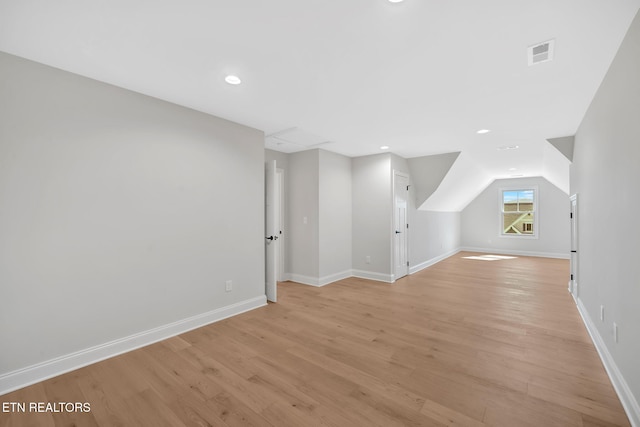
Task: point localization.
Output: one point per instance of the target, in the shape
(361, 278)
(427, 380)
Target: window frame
(536, 212)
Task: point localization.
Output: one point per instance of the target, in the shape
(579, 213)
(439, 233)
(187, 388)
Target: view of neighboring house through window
(518, 212)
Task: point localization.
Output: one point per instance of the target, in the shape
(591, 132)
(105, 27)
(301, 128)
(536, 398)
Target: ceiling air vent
(541, 52)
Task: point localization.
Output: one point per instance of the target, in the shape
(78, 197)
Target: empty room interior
(300, 213)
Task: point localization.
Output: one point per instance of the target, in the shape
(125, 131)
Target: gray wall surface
(371, 188)
(399, 164)
(605, 175)
(282, 159)
(481, 220)
(304, 187)
(354, 206)
(432, 234)
(319, 189)
(335, 213)
(118, 213)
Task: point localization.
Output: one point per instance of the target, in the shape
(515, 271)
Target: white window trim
(536, 211)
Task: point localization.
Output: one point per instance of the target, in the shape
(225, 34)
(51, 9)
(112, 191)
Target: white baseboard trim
(323, 281)
(51, 368)
(319, 281)
(629, 402)
(334, 277)
(432, 261)
(305, 280)
(515, 252)
(285, 277)
(371, 275)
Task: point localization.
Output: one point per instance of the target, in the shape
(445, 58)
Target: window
(518, 212)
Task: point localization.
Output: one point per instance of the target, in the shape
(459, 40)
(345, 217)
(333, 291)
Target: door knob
(272, 238)
(398, 232)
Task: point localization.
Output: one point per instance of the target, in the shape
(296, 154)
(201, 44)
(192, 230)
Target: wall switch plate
(602, 313)
(367, 259)
(228, 285)
(615, 331)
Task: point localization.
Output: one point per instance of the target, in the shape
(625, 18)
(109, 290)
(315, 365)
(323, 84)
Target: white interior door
(573, 279)
(400, 224)
(271, 231)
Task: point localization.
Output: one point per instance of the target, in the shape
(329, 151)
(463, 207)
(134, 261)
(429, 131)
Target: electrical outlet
(304, 220)
(602, 313)
(615, 332)
(367, 259)
(228, 285)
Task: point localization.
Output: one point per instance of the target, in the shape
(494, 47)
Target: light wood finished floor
(464, 343)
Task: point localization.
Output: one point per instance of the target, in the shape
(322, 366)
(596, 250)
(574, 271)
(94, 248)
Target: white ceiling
(421, 76)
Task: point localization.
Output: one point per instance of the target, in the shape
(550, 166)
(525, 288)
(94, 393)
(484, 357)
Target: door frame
(280, 252)
(271, 236)
(573, 255)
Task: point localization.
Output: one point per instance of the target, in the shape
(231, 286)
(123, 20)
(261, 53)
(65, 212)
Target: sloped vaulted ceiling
(427, 172)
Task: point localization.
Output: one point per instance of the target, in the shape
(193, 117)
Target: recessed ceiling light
(384, 147)
(513, 169)
(232, 80)
(508, 147)
(483, 131)
(395, 1)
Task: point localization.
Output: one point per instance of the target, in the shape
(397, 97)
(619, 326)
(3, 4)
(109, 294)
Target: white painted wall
(432, 235)
(354, 206)
(319, 189)
(303, 254)
(480, 221)
(399, 164)
(118, 213)
(335, 215)
(605, 175)
(372, 191)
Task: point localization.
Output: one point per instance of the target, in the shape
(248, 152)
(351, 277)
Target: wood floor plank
(34, 393)
(447, 416)
(462, 343)
(323, 385)
(392, 392)
(107, 404)
(195, 412)
(66, 389)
